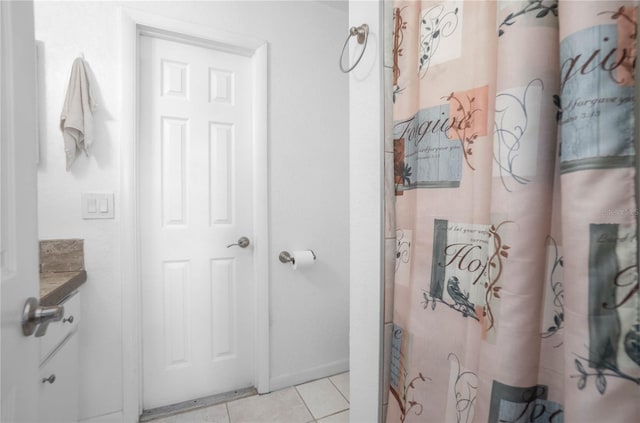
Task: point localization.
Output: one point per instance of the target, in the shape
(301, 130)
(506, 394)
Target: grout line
(340, 392)
(305, 403)
(226, 407)
(336, 413)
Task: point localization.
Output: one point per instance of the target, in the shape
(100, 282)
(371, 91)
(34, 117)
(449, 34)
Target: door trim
(132, 23)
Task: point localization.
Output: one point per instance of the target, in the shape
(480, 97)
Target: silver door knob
(243, 242)
(36, 316)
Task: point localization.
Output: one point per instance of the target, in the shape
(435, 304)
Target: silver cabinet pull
(69, 319)
(49, 379)
(243, 242)
(34, 315)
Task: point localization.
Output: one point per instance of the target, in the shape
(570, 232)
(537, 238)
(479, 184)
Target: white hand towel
(76, 119)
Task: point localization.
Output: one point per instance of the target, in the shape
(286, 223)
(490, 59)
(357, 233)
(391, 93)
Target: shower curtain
(516, 283)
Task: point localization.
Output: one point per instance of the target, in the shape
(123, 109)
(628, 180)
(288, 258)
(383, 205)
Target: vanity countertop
(55, 286)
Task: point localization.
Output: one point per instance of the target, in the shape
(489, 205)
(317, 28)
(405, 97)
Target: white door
(195, 199)
(18, 208)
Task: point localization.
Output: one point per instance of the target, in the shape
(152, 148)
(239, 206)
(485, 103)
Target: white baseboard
(292, 379)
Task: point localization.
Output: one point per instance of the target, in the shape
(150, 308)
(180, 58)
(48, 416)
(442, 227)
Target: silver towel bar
(362, 36)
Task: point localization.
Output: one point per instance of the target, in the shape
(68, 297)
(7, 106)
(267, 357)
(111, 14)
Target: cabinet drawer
(59, 400)
(58, 331)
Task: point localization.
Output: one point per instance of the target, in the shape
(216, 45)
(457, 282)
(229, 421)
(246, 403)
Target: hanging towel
(76, 119)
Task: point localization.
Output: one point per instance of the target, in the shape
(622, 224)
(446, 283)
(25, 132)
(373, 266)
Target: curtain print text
(424, 155)
(614, 337)
(416, 131)
(597, 94)
(461, 256)
(466, 269)
(607, 58)
(587, 108)
(511, 404)
(429, 146)
(625, 281)
(397, 371)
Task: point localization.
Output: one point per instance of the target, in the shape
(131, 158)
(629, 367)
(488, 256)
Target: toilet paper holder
(286, 257)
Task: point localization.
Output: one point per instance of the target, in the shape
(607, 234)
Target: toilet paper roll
(302, 258)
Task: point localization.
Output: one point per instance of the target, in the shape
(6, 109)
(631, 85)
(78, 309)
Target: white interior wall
(308, 175)
(366, 165)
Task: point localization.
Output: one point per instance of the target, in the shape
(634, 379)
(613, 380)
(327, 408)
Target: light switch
(97, 206)
(91, 205)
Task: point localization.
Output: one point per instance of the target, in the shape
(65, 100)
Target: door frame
(133, 22)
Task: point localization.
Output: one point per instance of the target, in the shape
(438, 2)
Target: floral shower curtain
(516, 286)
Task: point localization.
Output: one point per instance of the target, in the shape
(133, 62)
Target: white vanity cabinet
(59, 369)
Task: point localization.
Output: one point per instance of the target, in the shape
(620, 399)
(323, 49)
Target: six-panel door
(195, 199)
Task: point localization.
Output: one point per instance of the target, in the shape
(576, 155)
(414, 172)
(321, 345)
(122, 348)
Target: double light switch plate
(97, 206)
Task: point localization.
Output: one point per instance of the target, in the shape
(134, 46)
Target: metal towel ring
(362, 35)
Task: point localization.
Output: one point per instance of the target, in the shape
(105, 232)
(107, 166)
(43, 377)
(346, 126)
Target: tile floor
(321, 401)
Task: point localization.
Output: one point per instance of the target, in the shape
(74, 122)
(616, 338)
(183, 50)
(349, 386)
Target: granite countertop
(61, 269)
(56, 286)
